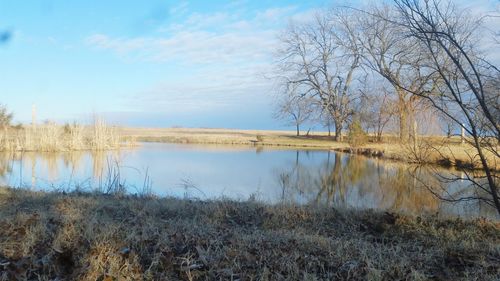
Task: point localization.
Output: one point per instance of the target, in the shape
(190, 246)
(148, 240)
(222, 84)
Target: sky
(146, 63)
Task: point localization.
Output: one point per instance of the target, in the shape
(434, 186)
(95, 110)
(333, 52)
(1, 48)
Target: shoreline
(433, 150)
(103, 237)
(442, 154)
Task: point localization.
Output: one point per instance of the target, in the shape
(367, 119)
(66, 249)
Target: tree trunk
(403, 126)
(415, 132)
(403, 118)
(338, 132)
(298, 129)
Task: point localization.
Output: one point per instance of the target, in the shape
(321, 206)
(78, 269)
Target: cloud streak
(211, 38)
(212, 90)
(222, 59)
(195, 47)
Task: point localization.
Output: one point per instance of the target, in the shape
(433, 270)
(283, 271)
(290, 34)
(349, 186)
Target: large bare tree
(387, 51)
(462, 79)
(321, 57)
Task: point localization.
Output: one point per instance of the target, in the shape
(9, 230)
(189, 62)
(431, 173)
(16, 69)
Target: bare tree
(295, 108)
(321, 58)
(387, 51)
(461, 79)
(325, 119)
(377, 108)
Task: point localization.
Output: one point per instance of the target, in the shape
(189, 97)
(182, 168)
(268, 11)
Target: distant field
(431, 149)
(228, 136)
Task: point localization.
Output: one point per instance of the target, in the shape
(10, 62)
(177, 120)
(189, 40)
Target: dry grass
(431, 149)
(53, 137)
(434, 150)
(227, 136)
(53, 236)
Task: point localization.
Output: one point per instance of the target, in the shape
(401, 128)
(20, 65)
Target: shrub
(357, 136)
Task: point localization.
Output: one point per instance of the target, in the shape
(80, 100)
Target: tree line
(391, 62)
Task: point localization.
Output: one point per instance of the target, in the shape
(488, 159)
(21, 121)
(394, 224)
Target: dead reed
(51, 137)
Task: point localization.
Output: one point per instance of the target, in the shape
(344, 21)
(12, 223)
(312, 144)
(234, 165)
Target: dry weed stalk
(51, 137)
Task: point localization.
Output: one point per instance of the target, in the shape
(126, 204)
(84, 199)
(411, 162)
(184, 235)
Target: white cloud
(304, 16)
(236, 4)
(201, 21)
(180, 9)
(212, 89)
(222, 59)
(204, 39)
(274, 14)
(192, 47)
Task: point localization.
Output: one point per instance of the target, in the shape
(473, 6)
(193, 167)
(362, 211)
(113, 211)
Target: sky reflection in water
(270, 175)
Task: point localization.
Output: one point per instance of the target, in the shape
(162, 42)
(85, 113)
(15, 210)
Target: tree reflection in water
(351, 181)
(315, 177)
(5, 164)
(56, 170)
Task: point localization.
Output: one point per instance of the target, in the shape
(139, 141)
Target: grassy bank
(430, 149)
(47, 236)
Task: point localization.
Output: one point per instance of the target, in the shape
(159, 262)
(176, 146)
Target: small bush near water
(54, 236)
(357, 136)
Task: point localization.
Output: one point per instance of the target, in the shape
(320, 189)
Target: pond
(244, 172)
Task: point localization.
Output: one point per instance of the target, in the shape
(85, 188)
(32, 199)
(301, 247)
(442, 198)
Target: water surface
(242, 173)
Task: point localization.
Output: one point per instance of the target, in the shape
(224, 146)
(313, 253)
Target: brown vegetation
(429, 52)
(438, 149)
(51, 137)
(47, 236)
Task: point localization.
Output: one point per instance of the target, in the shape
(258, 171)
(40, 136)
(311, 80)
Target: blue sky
(145, 63)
